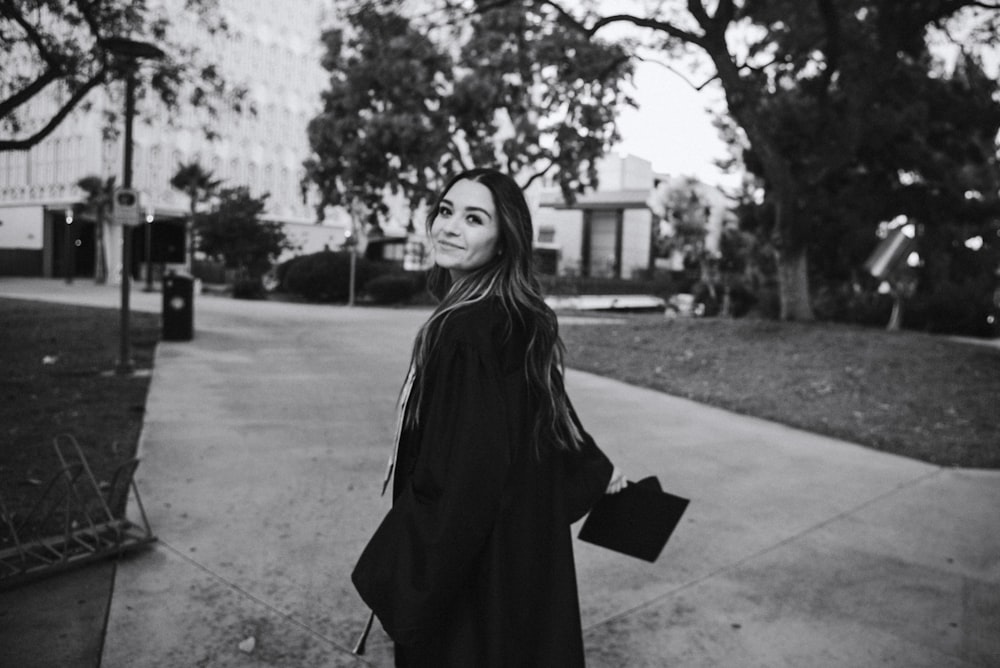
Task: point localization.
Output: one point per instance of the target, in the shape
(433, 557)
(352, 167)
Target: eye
(444, 211)
(474, 219)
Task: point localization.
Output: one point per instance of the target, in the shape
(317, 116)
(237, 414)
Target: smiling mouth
(449, 245)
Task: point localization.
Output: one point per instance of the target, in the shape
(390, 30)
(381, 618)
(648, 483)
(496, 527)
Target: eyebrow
(468, 208)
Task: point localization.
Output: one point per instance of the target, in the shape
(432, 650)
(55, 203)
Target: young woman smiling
(473, 565)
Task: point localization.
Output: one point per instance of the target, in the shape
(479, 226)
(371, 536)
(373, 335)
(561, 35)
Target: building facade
(274, 51)
(613, 231)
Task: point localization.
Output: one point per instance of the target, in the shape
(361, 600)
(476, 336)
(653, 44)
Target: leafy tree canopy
(800, 82)
(234, 233)
(880, 125)
(61, 49)
(194, 181)
(199, 185)
(412, 100)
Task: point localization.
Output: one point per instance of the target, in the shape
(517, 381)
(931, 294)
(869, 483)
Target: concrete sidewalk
(263, 447)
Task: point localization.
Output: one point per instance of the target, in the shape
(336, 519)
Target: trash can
(178, 307)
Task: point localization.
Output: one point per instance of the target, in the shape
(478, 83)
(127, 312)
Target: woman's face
(465, 231)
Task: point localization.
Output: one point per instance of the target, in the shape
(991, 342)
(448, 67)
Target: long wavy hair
(509, 276)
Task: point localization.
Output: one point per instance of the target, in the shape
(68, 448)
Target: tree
(903, 132)
(197, 183)
(60, 49)
(696, 228)
(233, 233)
(99, 198)
(782, 54)
(410, 103)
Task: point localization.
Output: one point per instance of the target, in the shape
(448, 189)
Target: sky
(671, 128)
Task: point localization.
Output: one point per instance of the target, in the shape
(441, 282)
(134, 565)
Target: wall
(635, 241)
(568, 226)
(21, 227)
(22, 236)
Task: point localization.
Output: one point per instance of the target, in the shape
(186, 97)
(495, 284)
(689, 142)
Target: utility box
(178, 307)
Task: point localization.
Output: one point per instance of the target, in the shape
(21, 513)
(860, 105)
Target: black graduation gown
(473, 565)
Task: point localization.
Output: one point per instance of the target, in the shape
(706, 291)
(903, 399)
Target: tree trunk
(189, 238)
(726, 309)
(896, 318)
(793, 285)
(101, 250)
(793, 262)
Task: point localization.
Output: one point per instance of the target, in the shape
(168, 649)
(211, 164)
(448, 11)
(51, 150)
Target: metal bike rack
(90, 530)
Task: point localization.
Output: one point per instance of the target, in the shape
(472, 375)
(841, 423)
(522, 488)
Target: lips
(445, 244)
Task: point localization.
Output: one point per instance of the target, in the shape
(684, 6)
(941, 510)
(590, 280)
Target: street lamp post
(70, 248)
(149, 250)
(125, 363)
(352, 246)
(131, 51)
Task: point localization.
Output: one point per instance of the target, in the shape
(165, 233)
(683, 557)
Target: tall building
(273, 50)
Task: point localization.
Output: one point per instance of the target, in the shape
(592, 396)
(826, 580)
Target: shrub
(325, 276)
(947, 309)
(950, 309)
(392, 288)
(741, 300)
(869, 308)
(248, 288)
(280, 272)
(766, 303)
(209, 271)
(831, 303)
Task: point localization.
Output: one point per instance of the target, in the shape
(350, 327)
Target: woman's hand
(617, 482)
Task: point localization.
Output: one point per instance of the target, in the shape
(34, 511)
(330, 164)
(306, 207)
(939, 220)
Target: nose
(449, 227)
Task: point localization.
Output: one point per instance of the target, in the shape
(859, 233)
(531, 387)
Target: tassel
(359, 649)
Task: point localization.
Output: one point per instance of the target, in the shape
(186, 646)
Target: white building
(608, 233)
(274, 50)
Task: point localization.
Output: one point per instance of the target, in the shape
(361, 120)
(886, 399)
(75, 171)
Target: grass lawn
(56, 364)
(921, 396)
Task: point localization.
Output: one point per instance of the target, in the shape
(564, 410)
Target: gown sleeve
(589, 473)
(425, 549)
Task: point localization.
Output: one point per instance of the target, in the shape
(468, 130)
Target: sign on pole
(125, 210)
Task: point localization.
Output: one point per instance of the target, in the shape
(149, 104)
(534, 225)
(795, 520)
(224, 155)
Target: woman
(473, 565)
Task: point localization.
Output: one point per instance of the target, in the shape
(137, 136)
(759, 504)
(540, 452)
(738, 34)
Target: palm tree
(197, 183)
(99, 197)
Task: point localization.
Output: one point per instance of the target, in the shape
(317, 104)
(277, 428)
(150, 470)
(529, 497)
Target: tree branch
(652, 24)
(724, 13)
(79, 94)
(699, 12)
(482, 7)
(539, 174)
(698, 87)
(26, 93)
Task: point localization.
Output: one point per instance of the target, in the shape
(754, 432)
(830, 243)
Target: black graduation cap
(636, 521)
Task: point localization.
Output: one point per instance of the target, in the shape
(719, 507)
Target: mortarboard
(636, 521)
